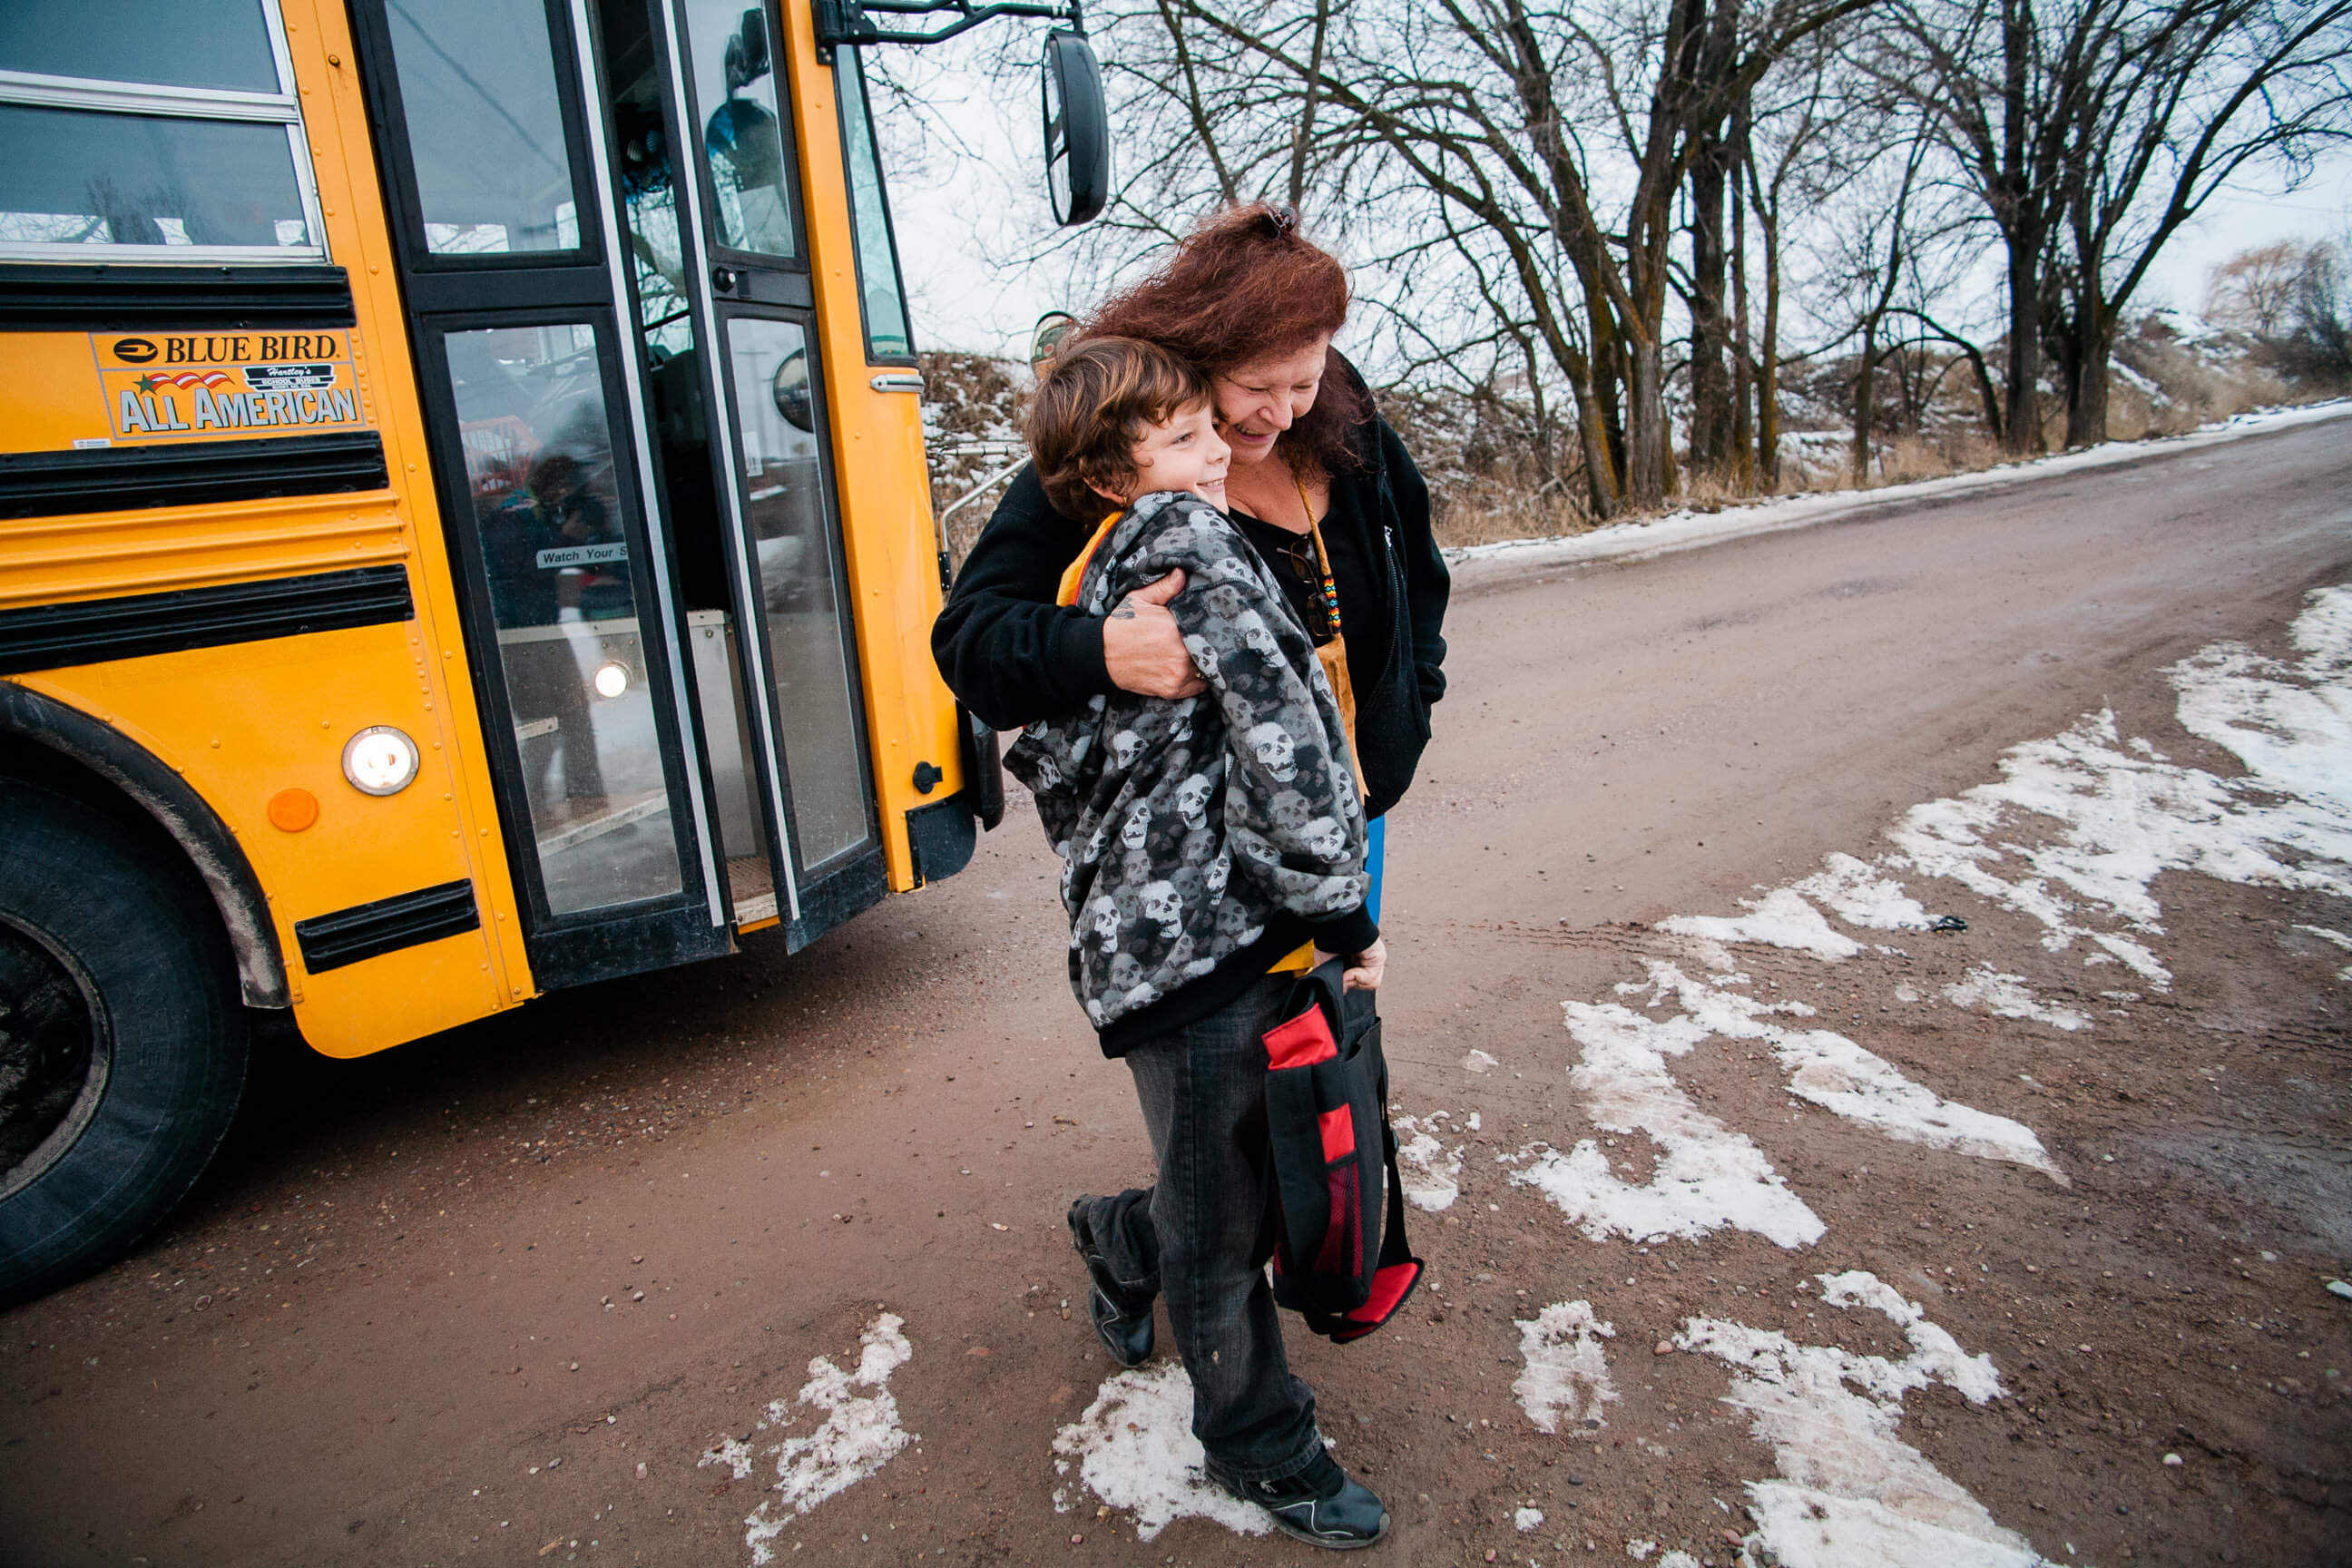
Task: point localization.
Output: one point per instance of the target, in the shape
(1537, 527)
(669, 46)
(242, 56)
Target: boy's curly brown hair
(1095, 399)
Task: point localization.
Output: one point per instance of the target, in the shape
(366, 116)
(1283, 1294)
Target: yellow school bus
(463, 533)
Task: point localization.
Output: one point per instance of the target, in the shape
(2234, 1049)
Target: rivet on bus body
(292, 810)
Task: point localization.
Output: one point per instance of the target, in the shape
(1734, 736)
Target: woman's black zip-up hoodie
(1012, 655)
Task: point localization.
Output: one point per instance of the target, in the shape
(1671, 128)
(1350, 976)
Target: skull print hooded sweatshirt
(1200, 838)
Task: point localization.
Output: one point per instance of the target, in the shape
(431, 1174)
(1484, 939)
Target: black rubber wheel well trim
(112, 762)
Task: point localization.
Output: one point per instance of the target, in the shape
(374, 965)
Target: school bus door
(646, 524)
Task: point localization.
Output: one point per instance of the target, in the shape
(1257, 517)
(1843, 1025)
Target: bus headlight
(380, 760)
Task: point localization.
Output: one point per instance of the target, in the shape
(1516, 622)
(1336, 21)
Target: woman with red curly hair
(1322, 488)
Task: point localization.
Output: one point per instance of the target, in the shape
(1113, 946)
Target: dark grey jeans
(1201, 1236)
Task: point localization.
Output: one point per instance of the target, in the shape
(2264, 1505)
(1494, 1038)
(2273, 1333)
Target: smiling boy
(1203, 840)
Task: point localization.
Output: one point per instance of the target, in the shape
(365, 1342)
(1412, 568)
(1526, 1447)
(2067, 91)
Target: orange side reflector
(292, 810)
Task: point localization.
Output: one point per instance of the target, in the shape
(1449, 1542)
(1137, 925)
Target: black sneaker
(1319, 1505)
(1124, 1332)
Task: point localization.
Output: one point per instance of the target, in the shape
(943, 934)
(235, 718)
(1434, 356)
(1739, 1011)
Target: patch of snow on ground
(2006, 996)
(1567, 1375)
(1706, 1176)
(2126, 815)
(2072, 836)
(1639, 1551)
(735, 1453)
(1526, 1518)
(1477, 1061)
(1779, 919)
(1832, 1071)
(1849, 1494)
(2339, 939)
(1135, 1450)
(1861, 894)
(860, 1434)
(1431, 1173)
(2291, 725)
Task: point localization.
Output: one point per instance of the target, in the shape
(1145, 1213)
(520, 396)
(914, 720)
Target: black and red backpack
(1341, 1258)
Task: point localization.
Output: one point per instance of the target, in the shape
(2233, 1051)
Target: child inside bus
(1203, 840)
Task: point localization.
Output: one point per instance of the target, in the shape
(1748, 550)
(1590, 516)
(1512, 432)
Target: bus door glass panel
(570, 611)
(678, 401)
(767, 384)
(744, 128)
(485, 125)
(878, 290)
(784, 508)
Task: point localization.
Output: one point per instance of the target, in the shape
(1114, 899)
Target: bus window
(75, 177)
(178, 133)
(743, 130)
(223, 44)
(886, 337)
(539, 467)
(485, 125)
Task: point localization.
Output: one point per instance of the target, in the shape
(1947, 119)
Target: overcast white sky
(967, 214)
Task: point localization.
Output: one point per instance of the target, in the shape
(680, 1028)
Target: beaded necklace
(1330, 587)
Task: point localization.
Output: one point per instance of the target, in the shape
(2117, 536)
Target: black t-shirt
(1287, 555)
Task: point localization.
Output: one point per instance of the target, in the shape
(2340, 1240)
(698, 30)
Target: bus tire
(123, 1038)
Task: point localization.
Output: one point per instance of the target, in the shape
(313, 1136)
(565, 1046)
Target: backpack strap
(1075, 574)
(1399, 1271)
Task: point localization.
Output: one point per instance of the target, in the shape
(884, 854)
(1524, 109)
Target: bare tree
(2090, 131)
(2002, 86)
(1783, 145)
(2254, 291)
(1547, 141)
(1883, 262)
(2188, 94)
(2318, 343)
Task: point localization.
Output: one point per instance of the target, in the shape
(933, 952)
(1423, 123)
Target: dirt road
(2014, 1236)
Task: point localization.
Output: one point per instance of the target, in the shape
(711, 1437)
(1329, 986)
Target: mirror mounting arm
(851, 22)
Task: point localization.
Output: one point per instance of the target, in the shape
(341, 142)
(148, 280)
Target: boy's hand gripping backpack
(1334, 1261)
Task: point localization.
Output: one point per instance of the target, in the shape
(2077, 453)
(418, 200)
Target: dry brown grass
(1487, 511)
(2194, 394)
(1907, 458)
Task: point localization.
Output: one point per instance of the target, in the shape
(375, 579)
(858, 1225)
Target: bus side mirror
(790, 388)
(1077, 129)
